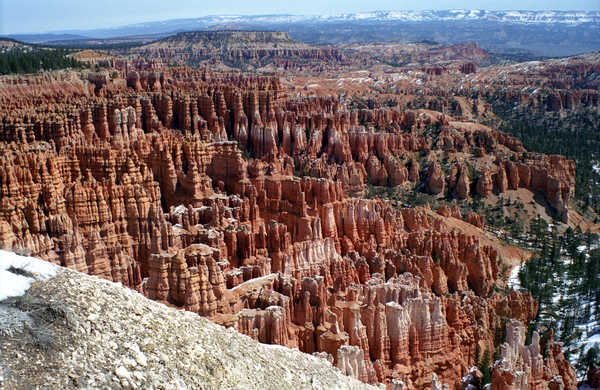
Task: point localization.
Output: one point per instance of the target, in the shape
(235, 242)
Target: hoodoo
(238, 207)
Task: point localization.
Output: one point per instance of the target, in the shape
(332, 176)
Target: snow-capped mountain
(568, 17)
(513, 17)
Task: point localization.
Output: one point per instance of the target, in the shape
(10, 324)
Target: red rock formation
(476, 220)
(485, 184)
(436, 177)
(469, 67)
(463, 184)
(188, 192)
(523, 367)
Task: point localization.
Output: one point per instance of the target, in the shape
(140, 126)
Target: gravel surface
(75, 331)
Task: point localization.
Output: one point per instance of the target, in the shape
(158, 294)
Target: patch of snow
(590, 341)
(14, 285)
(235, 198)
(254, 281)
(510, 16)
(179, 210)
(513, 279)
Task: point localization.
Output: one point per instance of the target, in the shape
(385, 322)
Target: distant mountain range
(177, 25)
(566, 17)
(541, 32)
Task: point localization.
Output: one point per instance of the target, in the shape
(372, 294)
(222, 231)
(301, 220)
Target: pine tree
(484, 367)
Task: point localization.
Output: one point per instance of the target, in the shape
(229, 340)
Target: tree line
(35, 60)
(564, 277)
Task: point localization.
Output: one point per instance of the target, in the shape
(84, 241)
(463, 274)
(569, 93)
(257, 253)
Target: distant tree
(484, 367)
(589, 359)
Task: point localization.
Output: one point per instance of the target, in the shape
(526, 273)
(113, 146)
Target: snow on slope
(513, 279)
(509, 16)
(15, 283)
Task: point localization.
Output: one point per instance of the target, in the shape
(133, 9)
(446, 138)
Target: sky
(32, 16)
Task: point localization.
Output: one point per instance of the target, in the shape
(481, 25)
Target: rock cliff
(237, 48)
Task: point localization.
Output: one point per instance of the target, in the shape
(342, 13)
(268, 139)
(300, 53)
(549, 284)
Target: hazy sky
(21, 16)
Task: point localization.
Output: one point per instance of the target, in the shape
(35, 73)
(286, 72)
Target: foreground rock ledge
(96, 334)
